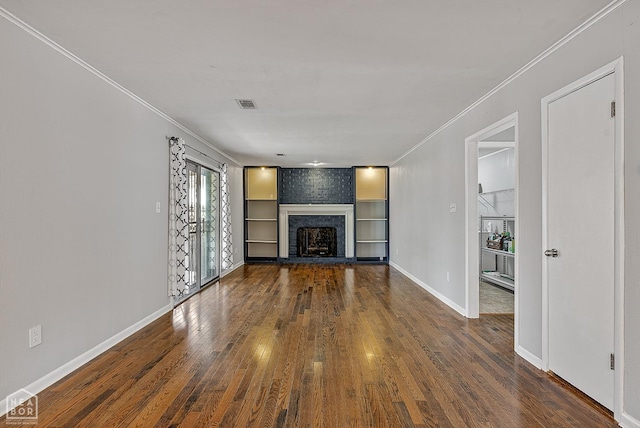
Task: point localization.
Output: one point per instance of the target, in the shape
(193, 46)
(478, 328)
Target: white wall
(430, 241)
(496, 173)
(496, 170)
(82, 251)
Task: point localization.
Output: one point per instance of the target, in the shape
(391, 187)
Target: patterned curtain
(227, 248)
(178, 217)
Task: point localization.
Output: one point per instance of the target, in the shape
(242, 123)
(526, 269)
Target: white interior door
(580, 226)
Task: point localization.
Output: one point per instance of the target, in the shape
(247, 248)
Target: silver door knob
(551, 253)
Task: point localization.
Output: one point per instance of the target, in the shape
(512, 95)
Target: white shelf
(375, 241)
(499, 280)
(370, 200)
(258, 241)
(498, 252)
(371, 219)
(498, 218)
(261, 219)
(502, 274)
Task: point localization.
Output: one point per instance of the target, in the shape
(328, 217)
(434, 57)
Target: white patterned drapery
(227, 242)
(178, 217)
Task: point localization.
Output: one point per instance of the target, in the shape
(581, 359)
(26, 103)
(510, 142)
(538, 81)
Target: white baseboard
(531, 359)
(437, 294)
(628, 421)
(231, 269)
(57, 374)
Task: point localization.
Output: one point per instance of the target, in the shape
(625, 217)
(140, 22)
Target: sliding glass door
(209, 221)
(203, 261)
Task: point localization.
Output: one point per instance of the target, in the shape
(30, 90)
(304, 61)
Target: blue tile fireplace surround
(316, 186)
(297, 221)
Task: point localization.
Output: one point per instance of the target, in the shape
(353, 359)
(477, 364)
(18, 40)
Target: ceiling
(341, 82)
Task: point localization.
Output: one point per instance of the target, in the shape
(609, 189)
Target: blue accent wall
(316, 186)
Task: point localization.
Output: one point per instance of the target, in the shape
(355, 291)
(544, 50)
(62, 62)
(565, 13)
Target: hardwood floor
(315, 345)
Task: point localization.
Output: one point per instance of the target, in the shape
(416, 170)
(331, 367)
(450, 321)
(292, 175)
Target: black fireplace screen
(317, 242)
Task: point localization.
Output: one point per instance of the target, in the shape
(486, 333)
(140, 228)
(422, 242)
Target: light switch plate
(157, 207)
(453, 207)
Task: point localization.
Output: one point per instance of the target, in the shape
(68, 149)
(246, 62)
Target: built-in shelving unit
(371, 214)
(496, 266)
(261, 213)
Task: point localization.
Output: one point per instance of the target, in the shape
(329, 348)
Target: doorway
(203, 252)
(582, 234)
(496, 222)
(496, 198)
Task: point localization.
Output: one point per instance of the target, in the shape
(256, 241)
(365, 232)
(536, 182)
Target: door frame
(616, 68)
(472, 241)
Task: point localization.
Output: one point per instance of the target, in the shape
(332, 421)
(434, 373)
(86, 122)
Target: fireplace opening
(317, 242)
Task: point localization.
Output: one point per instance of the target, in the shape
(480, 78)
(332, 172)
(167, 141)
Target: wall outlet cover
(35, 336)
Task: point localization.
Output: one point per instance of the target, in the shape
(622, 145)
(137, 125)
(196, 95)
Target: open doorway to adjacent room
(491, 220)
(496, 222)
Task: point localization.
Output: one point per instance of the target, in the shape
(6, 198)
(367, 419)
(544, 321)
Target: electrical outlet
(157, 207)
(397, 251)
(448, 277)
(35, 336)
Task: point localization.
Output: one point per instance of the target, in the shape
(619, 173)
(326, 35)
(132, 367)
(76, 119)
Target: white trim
(628, 421)
(500, 150)
(345, 210)
(601, 14)
(444, 299)
(47, 41)
(496, 144)
(200, 162)
(231, 269)
(529, 357)
(615, 67)
(472, 243)
(65, 369)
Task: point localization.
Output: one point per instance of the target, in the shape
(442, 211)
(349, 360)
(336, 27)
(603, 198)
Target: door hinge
(612, 362)
(613, 109)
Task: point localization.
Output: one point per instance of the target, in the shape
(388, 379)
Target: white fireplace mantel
(345, 210)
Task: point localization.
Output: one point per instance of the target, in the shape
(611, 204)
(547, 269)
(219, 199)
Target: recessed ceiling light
(247, 104)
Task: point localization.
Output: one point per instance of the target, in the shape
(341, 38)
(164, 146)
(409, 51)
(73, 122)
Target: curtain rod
(196, 150)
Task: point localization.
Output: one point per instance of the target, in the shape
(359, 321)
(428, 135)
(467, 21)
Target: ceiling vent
(246, 104)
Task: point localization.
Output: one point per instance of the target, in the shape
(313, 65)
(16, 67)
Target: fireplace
(294, 216)
(317, 242)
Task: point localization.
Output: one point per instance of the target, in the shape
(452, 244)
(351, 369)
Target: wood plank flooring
(315, 346)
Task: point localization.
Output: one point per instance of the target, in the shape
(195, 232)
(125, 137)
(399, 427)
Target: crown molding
(46, 40)
(598, 16)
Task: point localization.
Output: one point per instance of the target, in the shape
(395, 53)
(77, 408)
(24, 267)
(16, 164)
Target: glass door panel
(192, 250)
(209, 220)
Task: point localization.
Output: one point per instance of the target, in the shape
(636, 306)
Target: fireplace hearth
(317, 242)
